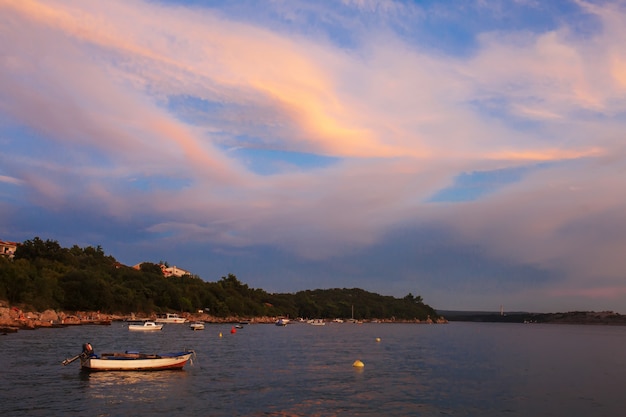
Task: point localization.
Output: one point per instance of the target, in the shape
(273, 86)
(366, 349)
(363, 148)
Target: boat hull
(143, 329)
(135, 362)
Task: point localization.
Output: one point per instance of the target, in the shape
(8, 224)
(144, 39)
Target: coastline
(13, 319)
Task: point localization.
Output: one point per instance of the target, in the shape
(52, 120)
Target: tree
(45, 275)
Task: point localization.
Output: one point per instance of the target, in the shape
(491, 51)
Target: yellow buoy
(220, 334)
(378, 339)
(358, 364)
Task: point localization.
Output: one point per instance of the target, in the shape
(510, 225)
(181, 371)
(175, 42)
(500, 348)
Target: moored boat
(197, 325)
(282, 322)
(146, 326)
(130, 361)
(170, 318)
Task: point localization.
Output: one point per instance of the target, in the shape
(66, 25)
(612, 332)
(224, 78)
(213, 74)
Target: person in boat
(87, 350)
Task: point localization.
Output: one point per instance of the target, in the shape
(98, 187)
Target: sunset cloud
(327, 142)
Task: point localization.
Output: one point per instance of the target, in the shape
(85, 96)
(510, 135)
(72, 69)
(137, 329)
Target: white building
(168, 271)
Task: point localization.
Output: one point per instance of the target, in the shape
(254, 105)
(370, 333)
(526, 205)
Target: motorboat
(130, 361)
(146, 326)
(282, 322)
(197, 325)
(170, 318)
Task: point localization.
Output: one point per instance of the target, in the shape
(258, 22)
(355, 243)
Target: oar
(68, 361)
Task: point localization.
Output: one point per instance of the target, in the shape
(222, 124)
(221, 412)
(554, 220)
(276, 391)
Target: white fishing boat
(146, 326)
(170, 318)
(317, 322)
(130, 361)
(197, 325)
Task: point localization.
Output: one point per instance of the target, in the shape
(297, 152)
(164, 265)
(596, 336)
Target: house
(7, 249)
(168, 271)
(174, 271)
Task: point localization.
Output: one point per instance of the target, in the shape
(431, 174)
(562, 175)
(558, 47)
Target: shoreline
(13, 319)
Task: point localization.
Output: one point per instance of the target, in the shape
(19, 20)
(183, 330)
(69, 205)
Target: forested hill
(43, 275)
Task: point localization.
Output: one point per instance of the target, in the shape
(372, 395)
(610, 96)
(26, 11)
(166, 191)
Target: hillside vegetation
(43, 275)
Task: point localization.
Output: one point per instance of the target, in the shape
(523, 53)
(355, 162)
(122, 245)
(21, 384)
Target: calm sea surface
(458, 369)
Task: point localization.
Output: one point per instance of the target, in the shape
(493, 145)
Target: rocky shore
(13, 319)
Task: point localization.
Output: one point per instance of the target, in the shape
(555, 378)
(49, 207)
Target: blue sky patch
(159, 183)
(193, 109)
(269, 162)
(473, 185)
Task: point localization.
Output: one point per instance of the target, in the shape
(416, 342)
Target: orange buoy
(233, 330)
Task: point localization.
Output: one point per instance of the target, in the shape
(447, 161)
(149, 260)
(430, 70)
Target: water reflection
(139, 386)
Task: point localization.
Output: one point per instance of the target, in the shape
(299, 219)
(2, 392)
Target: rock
(49, 315)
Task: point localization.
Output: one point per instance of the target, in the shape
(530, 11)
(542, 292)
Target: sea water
(455, 369)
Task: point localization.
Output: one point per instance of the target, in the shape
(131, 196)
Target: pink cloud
(95, 79)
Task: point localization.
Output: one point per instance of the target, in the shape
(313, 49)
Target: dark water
(458, 369)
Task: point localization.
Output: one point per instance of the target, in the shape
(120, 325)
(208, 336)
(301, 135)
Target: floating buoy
(358, 364)
(233, 330)
(378, 339)
(220, 334)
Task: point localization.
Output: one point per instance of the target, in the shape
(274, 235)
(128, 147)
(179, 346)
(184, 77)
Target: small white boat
(170, 318)
(130, 361)
(282, 322)
(146, 326)
(317, 322)
(197, 325)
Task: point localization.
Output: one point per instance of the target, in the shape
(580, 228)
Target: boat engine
(87, 349)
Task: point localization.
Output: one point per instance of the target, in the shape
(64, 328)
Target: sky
(470, 152)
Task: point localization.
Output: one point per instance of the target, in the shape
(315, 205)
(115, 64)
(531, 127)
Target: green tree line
(43, 275)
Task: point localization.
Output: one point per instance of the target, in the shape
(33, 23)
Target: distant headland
(572, 317)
